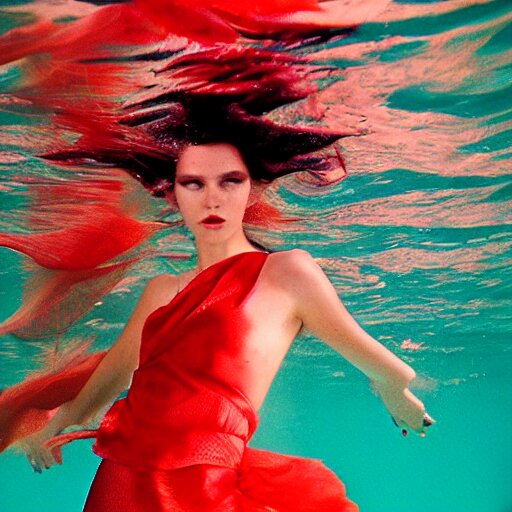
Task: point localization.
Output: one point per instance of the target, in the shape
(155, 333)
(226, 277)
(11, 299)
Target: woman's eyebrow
(234, 173)
(189, 177)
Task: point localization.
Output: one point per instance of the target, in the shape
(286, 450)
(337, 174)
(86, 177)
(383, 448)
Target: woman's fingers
(37, 463)
(39, 456)
(33, 463)
(427, 421)
(40, 459)
(407, 411)
(48, 457)
(412, 415)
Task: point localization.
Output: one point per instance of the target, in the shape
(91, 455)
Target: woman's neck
(209, 254)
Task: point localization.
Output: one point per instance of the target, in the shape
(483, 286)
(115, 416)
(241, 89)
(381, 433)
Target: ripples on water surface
(417, 240)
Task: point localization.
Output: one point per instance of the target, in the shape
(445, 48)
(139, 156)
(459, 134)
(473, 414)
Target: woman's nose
(212, 197)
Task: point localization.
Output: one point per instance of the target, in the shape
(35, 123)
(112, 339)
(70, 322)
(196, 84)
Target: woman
(196, 354)
(228, 364)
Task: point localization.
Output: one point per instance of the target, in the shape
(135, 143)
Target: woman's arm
(112, 376)
(322, 313)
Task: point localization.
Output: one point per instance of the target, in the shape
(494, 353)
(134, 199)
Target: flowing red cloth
(28, 406)
(178, 441)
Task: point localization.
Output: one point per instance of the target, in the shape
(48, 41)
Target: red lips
(212, 219)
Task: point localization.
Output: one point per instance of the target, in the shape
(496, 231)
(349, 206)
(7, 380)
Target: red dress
(178, 441)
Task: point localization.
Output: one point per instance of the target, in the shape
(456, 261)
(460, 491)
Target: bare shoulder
(289, 268)
(161, 282)
(311, 293)
(296, 256)
(159, 290)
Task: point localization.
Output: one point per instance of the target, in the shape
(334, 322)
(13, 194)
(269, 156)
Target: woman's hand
(38, 455)
(407, 411)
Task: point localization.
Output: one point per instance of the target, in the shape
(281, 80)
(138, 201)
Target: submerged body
(180, 436)
(201, 351)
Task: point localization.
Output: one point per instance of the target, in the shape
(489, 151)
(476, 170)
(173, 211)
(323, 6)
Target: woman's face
(212, 180)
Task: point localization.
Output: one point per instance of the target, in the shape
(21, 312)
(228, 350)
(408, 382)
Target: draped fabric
(264, 482)
(28, 406)
(190, 384)
(178, 441)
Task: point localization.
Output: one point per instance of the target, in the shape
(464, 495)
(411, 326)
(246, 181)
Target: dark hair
(257, 244)
(213, 95)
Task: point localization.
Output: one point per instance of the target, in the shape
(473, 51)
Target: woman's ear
(170, 198)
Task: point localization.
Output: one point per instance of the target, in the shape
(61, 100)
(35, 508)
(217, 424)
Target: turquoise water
(417, 240)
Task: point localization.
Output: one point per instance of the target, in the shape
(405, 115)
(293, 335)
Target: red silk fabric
(178, 441)
(264, 482)
(189, 386)
(28, 406)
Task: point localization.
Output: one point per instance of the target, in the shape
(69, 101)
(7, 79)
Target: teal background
(319, 406)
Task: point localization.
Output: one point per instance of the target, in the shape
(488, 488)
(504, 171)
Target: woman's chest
(271, 327)
(238, 337)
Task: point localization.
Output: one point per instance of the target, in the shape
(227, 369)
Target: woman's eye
(192, 184)
(233, 180)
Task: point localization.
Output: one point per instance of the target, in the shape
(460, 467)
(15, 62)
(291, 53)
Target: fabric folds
(178, 440)
(181, 434)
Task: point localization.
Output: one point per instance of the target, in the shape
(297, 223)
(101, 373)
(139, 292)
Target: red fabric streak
(193, 22)
(221, 21)
(55, 300)
(178, 441)
(149, 21)
(106, 234)
(113, 24)
(265, 482)
(263, 214)
(83, 242)
(28, 406)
